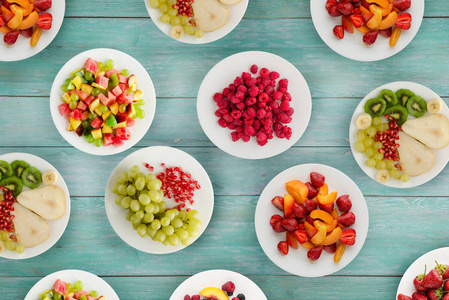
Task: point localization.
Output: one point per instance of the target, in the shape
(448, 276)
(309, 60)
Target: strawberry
(301, 236)
(27, 32)
(290, 224)
(404, 21)
(402, 4)
(317, 179)
(444, 271)
(348, 236)
(403, 297)
(45, 21)
(299, 210)
(356, 19)
(417, 283)
(278, 201)
(42, 5)
(310, 205)
(433, 280)
(343, 203)
(434, 294)
(418, 296)
(386, 32)
(330, 3)
(326, 207)
(291, 240)
(446, 297)
(2, 21)
(346, 219)
(330, 248)
(333, 11)
(283, 247)
(346, 9)
(370, 37)
(446, 285)
(278, 227)
(275, 219)
(314, 253)
(313, 191)
(366, 4)
(11, 37)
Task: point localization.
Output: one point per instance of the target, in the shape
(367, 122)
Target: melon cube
(91, 65)
(74, 123)
(96, 133)
(94, 105)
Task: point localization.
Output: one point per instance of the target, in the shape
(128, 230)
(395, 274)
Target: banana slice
(434, 105)
(49, 177)
(2, 247)
(383, 176)
(177, 32)
(364, 121)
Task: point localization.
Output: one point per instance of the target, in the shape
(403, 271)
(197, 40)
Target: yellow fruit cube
(74, 72)
(121, 125)
(106, 115)
(77, 82)
(130, 110)
(66, 97)
(86, 88)
(107, 129)
(98, 112)
(94, 105)
(100, 73)
(74, 123)
(98, 86)
(133, 87)
(96, 133)
(114, 108)
(138, 95)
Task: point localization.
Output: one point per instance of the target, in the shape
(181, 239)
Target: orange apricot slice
(383, 3)
(291, 240)
(308, 245)
(323, 190)
(332, 237)
(375, 20)
(334, 213)
(339, 252)
(385, 11)
(363, 29)
(36, 36)
(288, 205)
(322, 215)
(23, 3)
(213, 293)
(388, 21)
(5, 29)
(366, 14)
(319, 237)
(327, 199)
(329, 228)
(30, 21)
(395, 36)
(16, 20)
(25, 11)
(298, 190)
(7, 14)
(311, 231)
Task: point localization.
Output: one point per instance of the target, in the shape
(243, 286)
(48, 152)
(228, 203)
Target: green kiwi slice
(389, 96)
(397, 112)
(13, 184)
(32, 177)
(375, 107)
(416, 106)
(403, 95)
(18, 166)
(5, 169)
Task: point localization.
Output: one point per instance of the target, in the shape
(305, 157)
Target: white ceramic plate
(57, 227)
(352, 46)
(22, 49)
(216, 278)
(441, 156)
(224, 73)
(296, 261)
(122, 61)
(236, 13)
(90, 281)
(440, 255)
(155, 156)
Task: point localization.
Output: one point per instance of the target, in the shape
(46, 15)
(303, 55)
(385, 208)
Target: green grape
(70, 287)
(149, 177)
(395, 174)
(405, 177)
(154, 4)
(359, 146)
(195, 224)
(168, 230)
(98, 142)
(173, 13)
(371, 163)
(103, 109)
(140, 183)
(165, 221)
(74, 97)
(382, 127)
(125, 72)
(141, 114)
(126, 202)
(118, 199)
(173, 239)
(176, 223)
(192, 214)
(156, 224)
(165, 242)
(361, 135)
(88, 75)
(72, 104)
(165, 18)
(163, 8)
(94, 294)
(182, 233)
(64, 88)
(371, 131)
(191, 231)
(377, 146)
(129, 214)
(149, 208)
(376, 121)
(171, 2)
(135, 169)
(131, 190)
(5, 235)
(175, 21)
(139, 214)
(155, 196)
(95, 92)
(162, 1)
(122, 108)
(136, 224)
(124, 176)
(368, 142)
(20, 249)
(110, 64)
(79, 284)
(162, 206)
(151, 231)
(135, 205)
(185, 242)
(100, 64)
(142, 230)
(58, 296)
(122, 190)
(189, 30)
(176, 212)
(381, 165)
(144, 199)
(135, 220)
(183, 215)
(141, 102)
(156, 208)
(185, 20)
(170, 214)
(154, 185)
(148, 218)
(118, 179)
(369, 152)
(199, 33)
(390, 164)
(378, 156)
(160, 236)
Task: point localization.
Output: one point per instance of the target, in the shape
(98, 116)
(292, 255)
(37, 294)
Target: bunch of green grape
(10, 244)
(367, 145)
(142, 196)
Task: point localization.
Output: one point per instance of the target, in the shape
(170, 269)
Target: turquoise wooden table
(404, 223)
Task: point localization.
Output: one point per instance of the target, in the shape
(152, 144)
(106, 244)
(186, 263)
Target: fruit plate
(122, 61)
(22, 49)
(236, 13)
(296, 261)
(90, 281)
(352, 46)
(441, 156)
(57, 227)
(440, 255)
(224, 73)
(216, 278)
(155, 156)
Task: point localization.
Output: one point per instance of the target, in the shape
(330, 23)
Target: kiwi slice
(5, 169)
(13, 184)
(32, 177)
(18, 166)
(416, 106)
(375, 107)
(403, 95)
(397, 112)
(389, 96)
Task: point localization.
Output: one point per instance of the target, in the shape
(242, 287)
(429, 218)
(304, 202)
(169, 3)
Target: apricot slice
(308, 245)
(23, 3)
(366, 14)
(16, 20)
(322, 215)
(383, 3)
(363, 29)
(25, 11)
(323, 190)
(288, 205)
(213, 293)
(30, 21)
(332, 237)
(291, 240)
(36, 36)
(388, 21)
(5, 29)
(319, 237)
(298, 190)
(375, 20)
(329, 228)
(7, 14)
(334, 213)
(311, 231)
(327, 199)
(339, 252)
(395, 36)
(385, 11)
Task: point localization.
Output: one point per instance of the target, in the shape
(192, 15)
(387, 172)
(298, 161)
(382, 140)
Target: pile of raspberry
(255, 107)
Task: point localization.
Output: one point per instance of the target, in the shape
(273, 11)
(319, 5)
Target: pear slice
(30, 229)
(48, 202)
(210, 14)
(230, 2)
(432, 131)
(416, 158)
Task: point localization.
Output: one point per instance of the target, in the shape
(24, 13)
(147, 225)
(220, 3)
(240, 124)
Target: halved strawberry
(274, 219)
(339, 31)
(283, 247)
(357, 20)
(301, 235)
(291, 240)
(404, 21)
(348, 236)
(386, 32)
(42, 5)
(278, 201)
(347, 24)
(402, 4)
(45, 21)
(290, 224)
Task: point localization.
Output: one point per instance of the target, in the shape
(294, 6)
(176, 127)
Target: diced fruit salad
(431, 285)
(371, 17)
(142, 195)
(101, 103)
(225, 293)
(24, 17)
(68, 291)
(255, 106)
(314, 218)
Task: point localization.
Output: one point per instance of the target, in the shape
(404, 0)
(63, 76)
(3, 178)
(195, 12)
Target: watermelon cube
(81, 106)
(60, 287)
(123, 87)
(80, 293)
(64, 109)
(81, 95)
(130, 122)
(107, 139)
(125, 98)
(123, 133)
(89, 99)
(91, 65)
(104, 99)
(122, 79)
(96, 123)
(76, 114)
(117, 142)
(110, 72)
(102, 81)
(111, 97)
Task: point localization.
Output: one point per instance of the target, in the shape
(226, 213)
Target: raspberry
(244, 137)
(218, 113)
(263, 97)
(269, 89)
(250, 82)
(228, 117)
(235, 136)
(242, 89)
(273, 104)
(282, 89)
(222, 123)
(240, 95)
(261, 113)
(232, 87)
(240, 106)
(266, 82)
(245, 75)
(237, 122)
(262, 143)
(261, 136)
(222, 103)
(226, 91)
(277, 127)
(287, 96)
(264, 72)
(239, 129)
(238, 81)
(250, 101)
(274, 75)
(231, 126)
(290, 112)
(285, 105)
(254, 69)
(218, 97)
(277, 95)
(254, 91)
(283, 83)
(196, 297)
(248, 121)
(230, 95)
(235, 100)
(256, 124)
(281, 135)
(187, 297)
(249, 130)
(251, 112)
(283, 118)
(228, 287)
(236, 114)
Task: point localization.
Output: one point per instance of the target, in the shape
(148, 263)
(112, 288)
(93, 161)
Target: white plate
(122, 61)
(441, 156)
(216, 278)
(57, 227)
(224, 73)
(155, 156)
(236, 13)
(296, 261)
(90, 281)
(352, 46)
(22, 49)
(440, 255)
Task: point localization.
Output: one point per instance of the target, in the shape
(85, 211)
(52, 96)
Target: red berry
(314, 253)
(345, 8)
(330, 248)
(283, 247)
(331, 3)
(290, 224)
(187, 297)
(196, 297)
(275, 219)
(403, 297)
(344, 203)
(434, 294)
(42, 5)
(326, 207)
(310, 205)
(348, 236)
(313, 191)
(386, 32)
(433, 280)
(333, 11)
(278, 227)
(317, 179)
(44, 21)
(301, 235)
(254, 69)
(346, 219)
(11, 37)
(278, 202)
(404, 21)
(370, 37)
(417, 283)
(418, 296)
(299, 210)
(356, 20)
(228, 287)
(2, 21)
(402, 4)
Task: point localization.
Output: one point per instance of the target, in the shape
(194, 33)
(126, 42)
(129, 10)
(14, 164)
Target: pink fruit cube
(117, 141)
(123, 133)
(64, 109)
(76, 114)
(122, 78)
(91, 65)
(123, 87)
(108, 139)
(81, 95)
(111, 97)
(80, 293)
(81, 106)
(96, 123)
(102, 81)
(130, 122)
(125, 98)
(89, 99)
(110, 72)
(60, 287)
(117, 90)
(103, 99)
